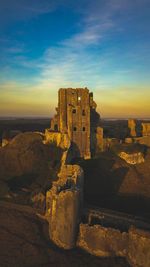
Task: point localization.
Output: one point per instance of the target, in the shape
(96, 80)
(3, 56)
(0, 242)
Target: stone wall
(139, 248)
(109, 242)
(134, 158)
(99, 140)
(60, 139)
(146, 129)
(143, 140)
(101, 241)
(64, 203)
(64, 200)
(131, 126)
(76, 116)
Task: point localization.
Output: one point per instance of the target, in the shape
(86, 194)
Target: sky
(50, 44)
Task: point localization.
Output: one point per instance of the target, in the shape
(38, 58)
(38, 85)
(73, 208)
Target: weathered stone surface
(63, 206)
(139, 248)
(108, 242)
(143, 140)
(99, 140)
(134, 158)
(101, 241)
(145, 129)
(131, 126)
(77, 117)
(60, 139)
(64, 218)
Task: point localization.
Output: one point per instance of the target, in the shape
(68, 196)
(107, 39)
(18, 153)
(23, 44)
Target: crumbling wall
(143, 140)
(102, 241)
(64, 217)
(64, 203)
(146, 129)
(76, 115)
(134, 158)
(99, 139)
(109, 242)
(60, 139)
(131, 126)
(139, 248)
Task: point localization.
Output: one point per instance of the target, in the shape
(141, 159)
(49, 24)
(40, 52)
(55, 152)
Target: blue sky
(102, 45)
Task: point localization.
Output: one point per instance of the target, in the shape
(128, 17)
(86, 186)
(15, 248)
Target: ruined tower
(132, 127)
(77, 116)
(146, 129)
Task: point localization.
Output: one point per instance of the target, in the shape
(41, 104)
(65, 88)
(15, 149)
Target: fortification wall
(60, 139)
(64, 200)
(109, 242)
(64, 203)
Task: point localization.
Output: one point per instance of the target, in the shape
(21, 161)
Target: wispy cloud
(24, 9)
(73, 62)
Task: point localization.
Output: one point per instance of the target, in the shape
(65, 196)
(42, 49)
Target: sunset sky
(99, 44)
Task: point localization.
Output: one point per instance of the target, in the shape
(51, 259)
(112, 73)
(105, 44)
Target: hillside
(27, 166)
(111, 182)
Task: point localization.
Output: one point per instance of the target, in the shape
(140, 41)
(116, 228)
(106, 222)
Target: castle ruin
(77, 117)
(132, 127)
(146, 129)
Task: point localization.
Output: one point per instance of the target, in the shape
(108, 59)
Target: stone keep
(77, 116)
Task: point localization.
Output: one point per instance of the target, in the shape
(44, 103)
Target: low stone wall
(109, 242)
(134, 158)
(101, 241)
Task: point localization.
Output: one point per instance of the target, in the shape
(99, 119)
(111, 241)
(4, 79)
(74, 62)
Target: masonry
(77, 116)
